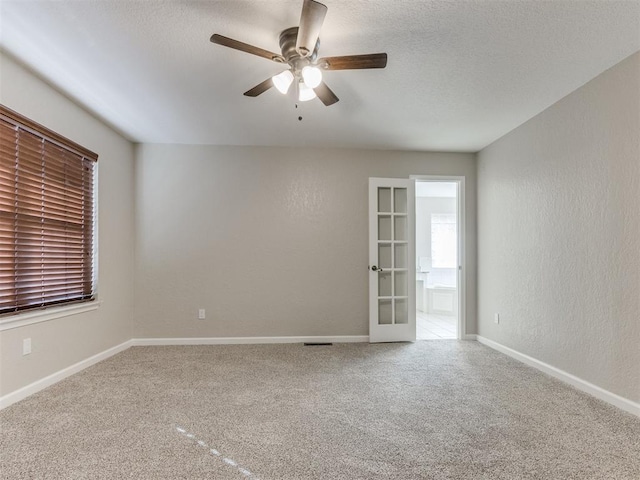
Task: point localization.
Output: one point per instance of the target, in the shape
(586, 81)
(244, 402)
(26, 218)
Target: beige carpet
(430, 410)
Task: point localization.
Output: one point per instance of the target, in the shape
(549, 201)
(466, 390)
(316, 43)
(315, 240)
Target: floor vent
(316, 344)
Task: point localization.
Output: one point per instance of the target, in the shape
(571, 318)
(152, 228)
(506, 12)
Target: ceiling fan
(299, 47)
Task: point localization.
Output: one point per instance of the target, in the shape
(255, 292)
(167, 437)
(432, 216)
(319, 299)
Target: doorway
(437, 259)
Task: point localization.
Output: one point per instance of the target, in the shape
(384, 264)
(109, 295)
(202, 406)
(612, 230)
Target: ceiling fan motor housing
(288, 40)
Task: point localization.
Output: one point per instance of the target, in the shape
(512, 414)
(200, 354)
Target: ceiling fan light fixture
(283, 81)
(305, 93)
(299, 46)
(312, 76)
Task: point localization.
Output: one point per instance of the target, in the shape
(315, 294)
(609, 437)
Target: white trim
(96, 230)
(44, 315)
(45, 382)
(598, 392)
(470, 336)
(462, 239)
(247, 340)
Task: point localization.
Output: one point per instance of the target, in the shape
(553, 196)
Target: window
(444, 244)
(46, 217)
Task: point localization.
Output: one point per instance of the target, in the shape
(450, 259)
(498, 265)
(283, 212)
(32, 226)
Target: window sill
(52, 313)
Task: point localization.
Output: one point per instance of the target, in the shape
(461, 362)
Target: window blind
(46, 217)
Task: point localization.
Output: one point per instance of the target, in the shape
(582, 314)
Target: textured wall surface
(270, 241)
(559, 234)
(59, 343)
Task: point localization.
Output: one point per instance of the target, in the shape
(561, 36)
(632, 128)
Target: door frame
(461, 232)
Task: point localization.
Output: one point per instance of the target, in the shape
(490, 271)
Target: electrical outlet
(201, 314)
(26, 346)
(496, 318)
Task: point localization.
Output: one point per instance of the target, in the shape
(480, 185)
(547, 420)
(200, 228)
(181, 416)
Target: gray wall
(270, 241)
(59, 343)
(559, 234)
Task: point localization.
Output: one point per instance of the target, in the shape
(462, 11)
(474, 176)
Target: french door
(392, 270)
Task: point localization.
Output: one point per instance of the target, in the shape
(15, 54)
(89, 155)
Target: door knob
(376, 269)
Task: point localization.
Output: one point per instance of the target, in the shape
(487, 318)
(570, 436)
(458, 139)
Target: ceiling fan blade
(350, 62)
(311, 20)
(260, 88)
(245, 47)
(325, 94)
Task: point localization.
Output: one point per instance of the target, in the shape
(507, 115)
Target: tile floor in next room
(435, 327)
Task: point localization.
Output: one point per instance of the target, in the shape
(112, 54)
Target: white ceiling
(460, 73)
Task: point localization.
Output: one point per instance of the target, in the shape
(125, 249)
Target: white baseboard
(247, 340)
(470, 336)
(24, 392)
(598, 392)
